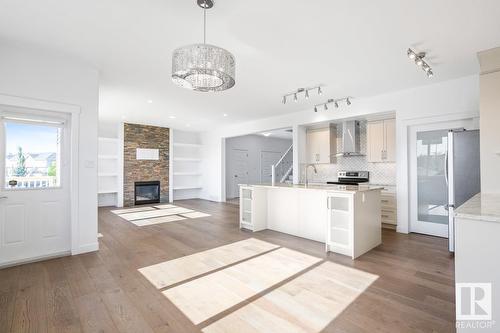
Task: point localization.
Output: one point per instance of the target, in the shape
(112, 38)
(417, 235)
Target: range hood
(350, 139)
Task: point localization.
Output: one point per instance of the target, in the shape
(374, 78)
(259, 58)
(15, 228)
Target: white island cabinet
(354, 226)
(346, 219)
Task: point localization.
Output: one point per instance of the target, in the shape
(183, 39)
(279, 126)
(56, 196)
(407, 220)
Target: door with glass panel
(34, 187)
(428, 156)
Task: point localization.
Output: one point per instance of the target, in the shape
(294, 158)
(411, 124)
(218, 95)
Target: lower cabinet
(389, 208)
(253, 208)
(354, 223)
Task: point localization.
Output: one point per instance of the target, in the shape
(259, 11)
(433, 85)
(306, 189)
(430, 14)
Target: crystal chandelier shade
(203, 67)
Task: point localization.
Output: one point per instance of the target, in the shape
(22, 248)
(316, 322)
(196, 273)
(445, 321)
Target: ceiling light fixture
(420, 62)
(299, 91)
(335, 102)
(172, 117)
(203, 67)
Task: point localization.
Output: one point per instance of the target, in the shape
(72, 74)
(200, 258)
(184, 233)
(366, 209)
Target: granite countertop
(482, 207)
(322, 187)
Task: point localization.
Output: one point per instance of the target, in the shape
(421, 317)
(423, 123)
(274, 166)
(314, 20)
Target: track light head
(419, 62)
(336, 104)
(284, 99)
(326, 107)
(348, 101)
(411, 54)
(295, 98)
(307, 94)
(315, 109)
(430, 73)
(320, 92)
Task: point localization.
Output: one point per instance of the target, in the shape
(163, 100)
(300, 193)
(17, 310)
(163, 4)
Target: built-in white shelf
(187, 188)
(109, 172)
(187, 173)
(190, 145)
(187, 159)
(107, 191)
(108, 157)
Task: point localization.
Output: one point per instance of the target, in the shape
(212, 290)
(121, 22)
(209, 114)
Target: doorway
(34, 185)
(428, 156)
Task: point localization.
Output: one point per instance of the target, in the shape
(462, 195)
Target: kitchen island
(346, 219)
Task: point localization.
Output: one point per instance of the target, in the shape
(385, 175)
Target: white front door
(239, 170)
(34, 186)
(428, 176)
(267, 160)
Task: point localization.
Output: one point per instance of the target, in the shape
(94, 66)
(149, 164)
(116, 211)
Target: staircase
(284, 167)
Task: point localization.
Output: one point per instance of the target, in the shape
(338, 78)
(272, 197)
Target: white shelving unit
(185, 171)
(109, 171)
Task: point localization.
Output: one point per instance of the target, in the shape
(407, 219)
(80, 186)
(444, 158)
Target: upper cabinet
(381, 141)
(321, 145)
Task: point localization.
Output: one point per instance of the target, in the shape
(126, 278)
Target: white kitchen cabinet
(321, 145)
(354, 223)
(381, 141)
(253, 208)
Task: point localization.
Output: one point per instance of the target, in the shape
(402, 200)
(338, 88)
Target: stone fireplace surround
(149, 137)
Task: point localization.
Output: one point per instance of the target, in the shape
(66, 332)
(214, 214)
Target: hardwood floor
(105, 292)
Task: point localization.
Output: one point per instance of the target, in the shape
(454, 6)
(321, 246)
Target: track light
(295, 94)
(335, 103)
(419, 61)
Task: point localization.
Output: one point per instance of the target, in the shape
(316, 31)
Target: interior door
(34, 187)
(239, 162)
(267, 160)
(428, 153)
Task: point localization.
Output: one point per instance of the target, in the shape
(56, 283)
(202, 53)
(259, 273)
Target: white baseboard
(92, 247)
(34, 259)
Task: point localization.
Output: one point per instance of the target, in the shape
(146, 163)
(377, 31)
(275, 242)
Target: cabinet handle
(385, 201)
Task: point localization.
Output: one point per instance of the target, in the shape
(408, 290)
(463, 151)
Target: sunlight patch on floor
(145, 216)
(177, 270)
(209, 295)
(306, 304)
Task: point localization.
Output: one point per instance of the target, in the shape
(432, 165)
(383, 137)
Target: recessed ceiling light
(188, 125)
(171, 117)
(266, 134)
(225, 115)
(150, 101)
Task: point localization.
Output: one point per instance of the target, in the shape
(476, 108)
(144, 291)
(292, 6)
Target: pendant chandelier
(203, 67)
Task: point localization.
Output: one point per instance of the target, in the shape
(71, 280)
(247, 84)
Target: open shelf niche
(109, 172)
(185, 161)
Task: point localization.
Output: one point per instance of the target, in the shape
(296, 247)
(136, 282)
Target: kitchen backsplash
(380, 173)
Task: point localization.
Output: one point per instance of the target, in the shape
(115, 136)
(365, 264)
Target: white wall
(433, 102)
(490, 120)
(35, 73)
(254, 144)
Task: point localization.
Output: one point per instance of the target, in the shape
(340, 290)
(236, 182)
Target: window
(32, 155)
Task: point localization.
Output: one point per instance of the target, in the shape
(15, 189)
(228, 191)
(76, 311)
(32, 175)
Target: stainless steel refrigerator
(463, 173)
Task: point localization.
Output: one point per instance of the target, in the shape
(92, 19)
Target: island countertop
(318, 187)
(481, 207)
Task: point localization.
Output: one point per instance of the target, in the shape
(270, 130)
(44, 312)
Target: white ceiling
(355, 48)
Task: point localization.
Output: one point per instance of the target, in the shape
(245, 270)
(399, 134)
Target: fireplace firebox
(147, 192)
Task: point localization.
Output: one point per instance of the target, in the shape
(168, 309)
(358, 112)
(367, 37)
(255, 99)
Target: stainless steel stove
(351, 178)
